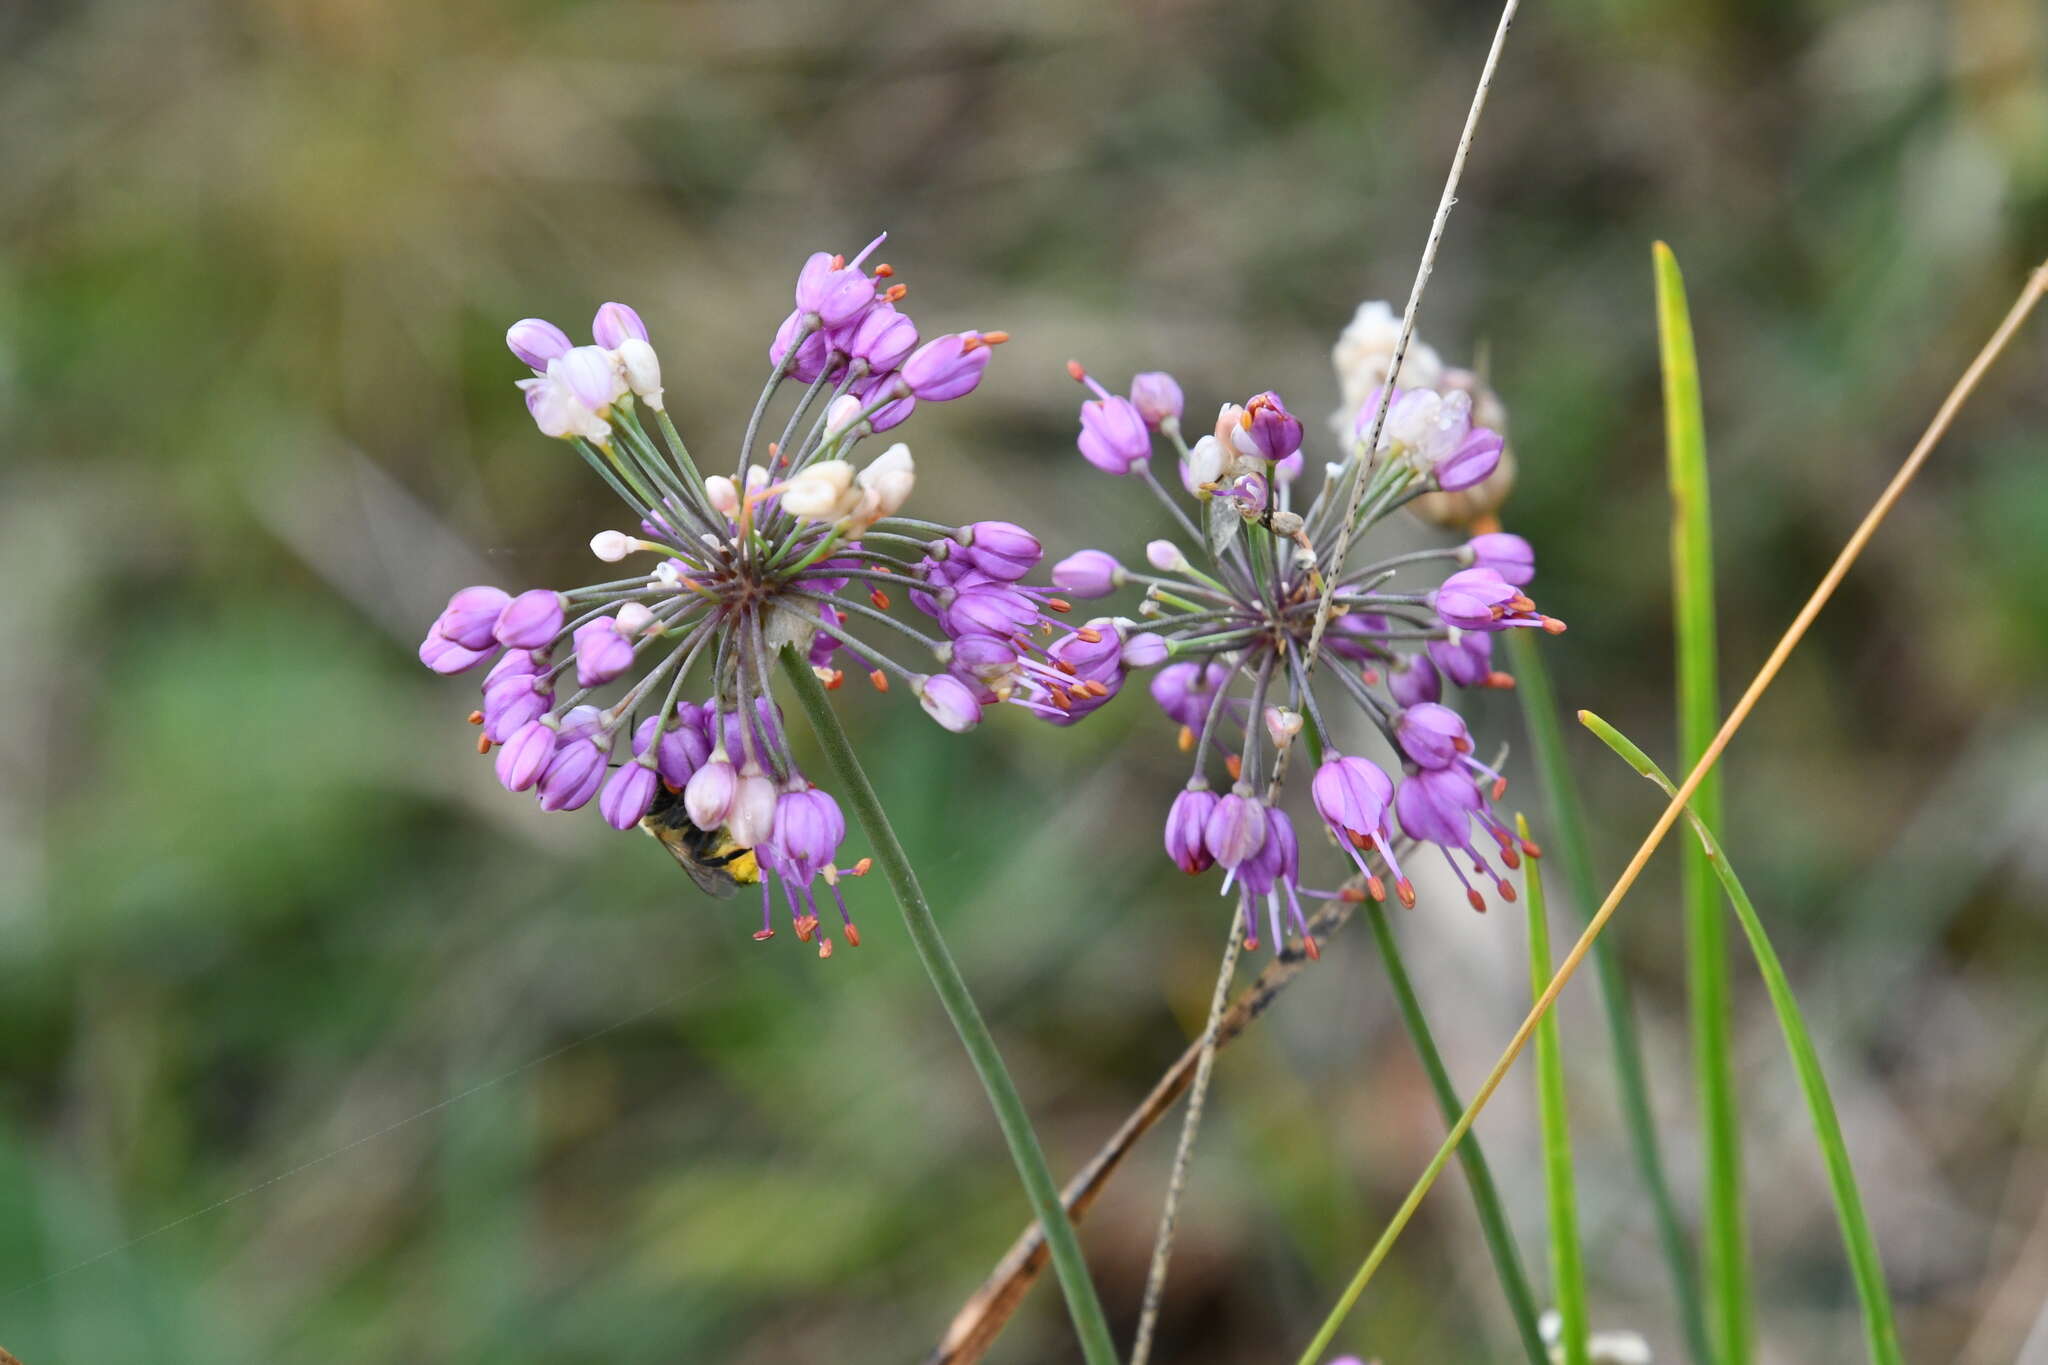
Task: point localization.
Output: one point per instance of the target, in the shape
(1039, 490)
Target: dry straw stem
(982, 1318)
(2029, 295)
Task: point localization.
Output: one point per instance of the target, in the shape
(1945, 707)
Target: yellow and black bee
(717, 864)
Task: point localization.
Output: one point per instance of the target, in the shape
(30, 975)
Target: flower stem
(1567, 1268)
(1090, 1324)
(1493, 1219)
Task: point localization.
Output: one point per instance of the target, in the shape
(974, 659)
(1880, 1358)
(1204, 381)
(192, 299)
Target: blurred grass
(255, 903)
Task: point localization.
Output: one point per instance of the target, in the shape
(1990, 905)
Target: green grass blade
(1880, 1331)
(1567, 1272)
(1699, 715)
(1493, 1222)
(1571, 850)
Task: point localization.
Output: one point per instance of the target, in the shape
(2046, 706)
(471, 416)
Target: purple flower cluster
(1261, 631)
(791, 551)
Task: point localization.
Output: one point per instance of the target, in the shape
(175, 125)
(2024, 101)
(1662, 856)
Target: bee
(717, 864)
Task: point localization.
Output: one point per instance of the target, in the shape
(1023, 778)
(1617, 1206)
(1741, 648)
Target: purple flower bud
(837, 291)
(469, 616)
(1002, 549)
(1184, 691)
(1474, 459)
(1435, 805)
(808, 831)
(1144, 650)
(1277, 859)
(1468, 663)
(614, 323)
(1097, 660)
(1236, 829)
(1157, 397)
(1471, 599)
(522, 757)
(1510, 556)
(443, 655)
(981, 657)
(536, 341)
(1351, 794)
(1413, 679)
(1186, 823)
(510, 662)
(987, 609)
(628, 795)
(948, 366)
(811, 353)
(681, 750)
(582, 722)
(530, 620)
(1113, 436)
(708, 794)
(1269, 429)
(1087, 573)
(767, 722)
(891, 414)
(881, 336)
(572, 776)
(946, 700)
(601, 652)
(1432, 735)
(510, 702)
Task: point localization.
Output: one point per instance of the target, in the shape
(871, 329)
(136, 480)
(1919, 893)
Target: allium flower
(802, 542)
(1231, 609)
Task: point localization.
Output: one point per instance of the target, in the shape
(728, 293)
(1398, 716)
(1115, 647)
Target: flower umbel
(801, 547)
(1231, 606)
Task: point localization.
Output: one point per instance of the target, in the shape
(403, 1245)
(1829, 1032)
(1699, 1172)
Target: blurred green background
(261, 902)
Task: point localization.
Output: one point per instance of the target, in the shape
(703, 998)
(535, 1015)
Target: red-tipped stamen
(476, 718)
(1375, 888)
(1477, 901)
(852, 934)
(483, 744)
(1405, 890)
(1235, 764)
(880, 680)
(763, 935)
(881, 599)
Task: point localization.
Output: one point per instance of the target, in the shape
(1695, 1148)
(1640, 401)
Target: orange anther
(895, 292)
(1058, 604)
(1187, 739)
(880, 680)
(860, 869)
(476, 718)
(852, 935)
(1308, 945)
(1375, 888)
(1475, 900)
(832, 683)
(1370, 676)
(1405, 890)
(1090, 634)
(1235, 764)
(1552, 626)
(994, 338)
(1504, 681)
(1075, 372)
(763, 935)
(883, 272)
(1531, 849)
(881, 599)
(1507, 890)
(824, 947)
(483, 744)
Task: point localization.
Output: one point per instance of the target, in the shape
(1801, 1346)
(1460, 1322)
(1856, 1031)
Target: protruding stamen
(1061, 604)
(895, 292)
(1089, 634)
(1531, 849)
(1376, 888)
(1552, 626)
(1405, 890)
(1187, 739)
(833, 678)
(483, 744)
(1308, 946)
(880, 680)
(824, 947)
(476, 718)
(852, 934)
(881, 599)
(763, 935)
(1477, 901)
(1507, 890)
(1504, 682)
(883, 272)
(1235, 764)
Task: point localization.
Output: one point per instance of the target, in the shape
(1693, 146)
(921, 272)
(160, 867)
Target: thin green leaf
(1699, 716)
(1571, 850)
(1493, 1222)
(1567, 1273)
(1083, 1305)
(1880, 1331)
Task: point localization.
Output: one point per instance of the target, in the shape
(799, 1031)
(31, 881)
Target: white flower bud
(888, 481)
(1205, 461)
(632, 619)
(821, 492)
(642, 370)
(839, 414)
(724, 497)
(1283, 724)
(612, 546)
(757, 479)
